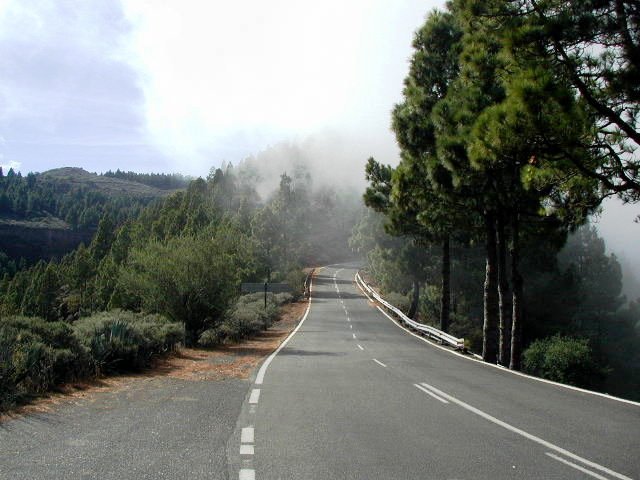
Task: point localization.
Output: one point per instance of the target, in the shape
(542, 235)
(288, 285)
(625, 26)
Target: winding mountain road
(354, 396)
(349, 395)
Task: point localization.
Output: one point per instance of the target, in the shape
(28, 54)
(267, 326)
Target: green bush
(398, 300)
(562, 359)
(211, 338)
(247, 317)
(123, 341)
(430, 304)
(296, 278)
(283, 298)
(35, 356)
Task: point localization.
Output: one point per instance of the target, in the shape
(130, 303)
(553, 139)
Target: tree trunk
(490, 326)
(413, 309)
(516, 281)
(504, 303)
(445, 299)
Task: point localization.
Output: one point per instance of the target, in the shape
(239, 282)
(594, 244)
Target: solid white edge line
(379, 363)
(500, 367)
(267, 362)
(419, 387)
(360, 347)
(247, 474)
(355, 279)
(526, 435)
(577, 467)
(255, 396)
(247, 435)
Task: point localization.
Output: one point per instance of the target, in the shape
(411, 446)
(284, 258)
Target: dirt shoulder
(191, 364)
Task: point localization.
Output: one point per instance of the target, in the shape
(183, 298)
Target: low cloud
(7, 165)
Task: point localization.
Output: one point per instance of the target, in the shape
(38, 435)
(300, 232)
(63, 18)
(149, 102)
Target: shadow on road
(334, 295)
(311, 353)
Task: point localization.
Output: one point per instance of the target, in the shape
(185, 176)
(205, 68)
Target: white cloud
(6, 165)
(214, 72)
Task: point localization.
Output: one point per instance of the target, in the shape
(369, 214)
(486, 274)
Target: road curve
(353, 396)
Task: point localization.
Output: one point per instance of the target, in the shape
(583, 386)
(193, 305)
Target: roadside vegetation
(517, 120)
(171, 276)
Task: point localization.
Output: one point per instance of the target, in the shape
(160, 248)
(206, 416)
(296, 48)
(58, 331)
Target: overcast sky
(182, 85)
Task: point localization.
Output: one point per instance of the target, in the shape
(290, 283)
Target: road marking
(360, 347)
(351, 327)
(479, 360)
(267, 362)
(428, 392)
(355, 279)
(529, 436)
(577, 467)
(380, 363)
(247, 435)
(353, 335)
(246, 450)
(247, 474)
(255, 396)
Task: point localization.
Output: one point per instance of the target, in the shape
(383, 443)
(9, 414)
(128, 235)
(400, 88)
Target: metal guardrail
(457, 343)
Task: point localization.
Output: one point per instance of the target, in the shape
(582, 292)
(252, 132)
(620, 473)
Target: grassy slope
(77, 177)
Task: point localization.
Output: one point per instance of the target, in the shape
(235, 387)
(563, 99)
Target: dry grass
(191, 364)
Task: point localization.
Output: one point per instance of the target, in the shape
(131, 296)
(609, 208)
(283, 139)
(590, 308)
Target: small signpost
(266, 287)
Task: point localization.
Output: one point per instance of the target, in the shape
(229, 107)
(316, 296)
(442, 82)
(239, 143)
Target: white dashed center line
(360, 347)
(247, 435)
(247, 474)
(379, 363)
(246, 449)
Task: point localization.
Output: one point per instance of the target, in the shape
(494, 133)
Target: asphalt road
(350, 396)
(354, 396)
(162, 428)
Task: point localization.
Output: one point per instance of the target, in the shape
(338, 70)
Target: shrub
(430, 304)
(283, 298)
(211, 338)
(247, 317)
(36, 355)
(562, 359)
(123, 341)
(398, 300)
(296, 278)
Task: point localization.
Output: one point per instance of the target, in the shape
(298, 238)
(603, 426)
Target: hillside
(46, 215)
(76, 178)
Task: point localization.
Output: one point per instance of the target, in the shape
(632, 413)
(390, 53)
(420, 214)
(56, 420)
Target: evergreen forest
(517, 120)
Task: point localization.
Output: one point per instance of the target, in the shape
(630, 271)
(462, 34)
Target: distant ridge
(74, 177)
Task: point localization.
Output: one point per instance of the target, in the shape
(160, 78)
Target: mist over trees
(517, 120)
(170, 274)
(185, 257)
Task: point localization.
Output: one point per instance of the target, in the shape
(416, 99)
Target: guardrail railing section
(432, 332)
